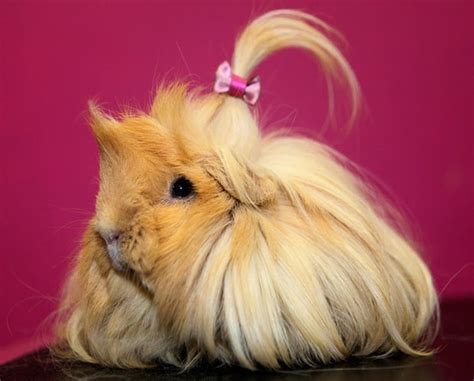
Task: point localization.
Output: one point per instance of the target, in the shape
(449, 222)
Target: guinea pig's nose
(110, 236)
(112, 239)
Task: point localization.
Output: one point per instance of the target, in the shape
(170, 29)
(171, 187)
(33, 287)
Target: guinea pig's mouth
(113, 240)
(115, 256)
(117, 244)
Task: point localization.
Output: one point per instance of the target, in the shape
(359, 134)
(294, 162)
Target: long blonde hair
(287, 258)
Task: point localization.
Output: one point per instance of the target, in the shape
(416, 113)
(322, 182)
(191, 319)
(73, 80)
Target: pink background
(414, 61)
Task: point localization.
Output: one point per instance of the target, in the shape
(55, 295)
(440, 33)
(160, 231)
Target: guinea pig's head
(166, 196)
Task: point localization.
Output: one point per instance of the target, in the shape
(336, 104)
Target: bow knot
(227, 82)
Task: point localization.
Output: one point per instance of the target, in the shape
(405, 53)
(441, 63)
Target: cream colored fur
(283, 257)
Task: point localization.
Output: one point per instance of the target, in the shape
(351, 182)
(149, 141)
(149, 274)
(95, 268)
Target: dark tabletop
(454, 361)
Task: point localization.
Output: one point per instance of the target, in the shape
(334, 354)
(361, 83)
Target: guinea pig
(213, 242)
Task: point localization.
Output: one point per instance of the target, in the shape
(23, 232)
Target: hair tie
(235, 86)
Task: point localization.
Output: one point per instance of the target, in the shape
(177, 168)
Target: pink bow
(227, 82)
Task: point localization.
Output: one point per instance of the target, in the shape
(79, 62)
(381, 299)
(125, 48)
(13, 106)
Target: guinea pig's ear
(248, 184)
(103, 127)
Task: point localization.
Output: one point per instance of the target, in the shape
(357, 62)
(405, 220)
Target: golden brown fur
(281, 258)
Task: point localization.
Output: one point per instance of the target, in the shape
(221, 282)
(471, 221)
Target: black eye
(181, 188)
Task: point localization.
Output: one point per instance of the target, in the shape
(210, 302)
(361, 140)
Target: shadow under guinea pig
(42, 365)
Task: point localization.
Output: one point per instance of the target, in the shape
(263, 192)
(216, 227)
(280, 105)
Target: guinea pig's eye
(181, 187)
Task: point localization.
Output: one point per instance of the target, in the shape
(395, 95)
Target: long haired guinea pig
(213, 243)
